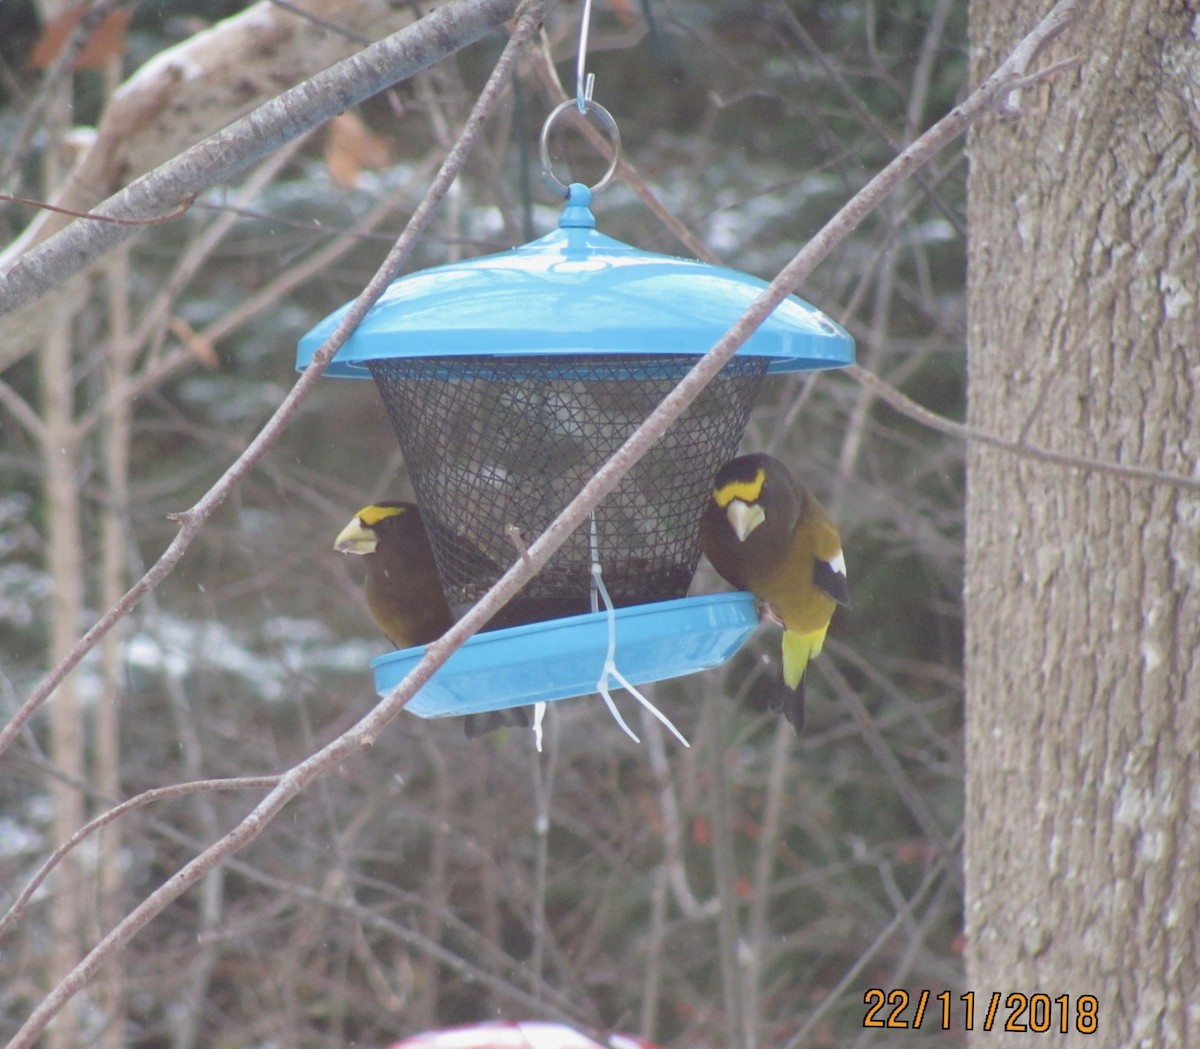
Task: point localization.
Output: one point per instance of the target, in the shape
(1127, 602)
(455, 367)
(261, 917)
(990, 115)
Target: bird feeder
(509, 1034)
(510, 380)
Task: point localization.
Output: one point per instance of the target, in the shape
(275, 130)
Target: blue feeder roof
(576, 291)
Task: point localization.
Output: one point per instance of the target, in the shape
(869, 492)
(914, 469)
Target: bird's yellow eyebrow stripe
(746, 491)
(372, 515)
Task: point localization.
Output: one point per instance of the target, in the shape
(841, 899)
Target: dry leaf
(194, 341)
(351, 146)
(106, 42)
(626, 14)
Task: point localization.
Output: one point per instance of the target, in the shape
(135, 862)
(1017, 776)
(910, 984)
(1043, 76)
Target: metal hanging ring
(604, 117)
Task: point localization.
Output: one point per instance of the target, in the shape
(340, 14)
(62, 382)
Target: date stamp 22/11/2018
(1039, 1013)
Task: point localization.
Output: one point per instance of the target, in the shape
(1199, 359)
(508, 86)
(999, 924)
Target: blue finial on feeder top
(510, 379)
(578, 213)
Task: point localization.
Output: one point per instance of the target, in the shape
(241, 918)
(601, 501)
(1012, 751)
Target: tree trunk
(1083, 589)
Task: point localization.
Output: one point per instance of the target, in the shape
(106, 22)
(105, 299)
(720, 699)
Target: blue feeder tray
(542, 662)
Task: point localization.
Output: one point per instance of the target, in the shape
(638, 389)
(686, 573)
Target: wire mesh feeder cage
(497, 443)
(510, 380)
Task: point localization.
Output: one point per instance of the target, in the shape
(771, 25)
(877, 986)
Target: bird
(764, 532)
(404, 592)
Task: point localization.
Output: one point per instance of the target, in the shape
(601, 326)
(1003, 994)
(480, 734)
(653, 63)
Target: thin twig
(907, 406)
(60, 71)
(758, 957)
(515, 537)
(185, 203)
(543, 773)
(323, 23)
(171, 363)
(901, 781)
(730, 934)
(149, 797)
(864, 117)
(22, 411)
(655, 937)
(673, 823)
(834, 997)
(488, 958)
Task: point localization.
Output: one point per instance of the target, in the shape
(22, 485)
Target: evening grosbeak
(404, 591)
(764, 532)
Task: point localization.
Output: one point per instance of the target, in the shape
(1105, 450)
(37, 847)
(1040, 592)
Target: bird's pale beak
(355, 538)
(744, 517)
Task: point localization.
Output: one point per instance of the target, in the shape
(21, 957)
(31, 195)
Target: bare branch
(905, 405)
(1028, 49)
(900, 780)
(220, 157)
(23, 412)
(60, 69)
(180, 209)
(905, 914)
(149, 797)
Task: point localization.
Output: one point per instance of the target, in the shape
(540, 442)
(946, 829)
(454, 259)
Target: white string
(539, 713)
(610, 671)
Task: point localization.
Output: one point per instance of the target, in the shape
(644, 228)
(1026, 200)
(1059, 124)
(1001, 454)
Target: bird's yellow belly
(802, 609)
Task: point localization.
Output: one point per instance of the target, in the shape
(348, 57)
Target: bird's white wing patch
(838, 564)
(830, 578)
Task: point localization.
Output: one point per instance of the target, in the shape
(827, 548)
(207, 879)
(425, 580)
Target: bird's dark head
(368, 528)
(754, 490)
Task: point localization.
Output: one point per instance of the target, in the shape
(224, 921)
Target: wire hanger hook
(584, 82)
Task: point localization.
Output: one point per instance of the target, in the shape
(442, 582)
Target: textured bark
(1083, 589)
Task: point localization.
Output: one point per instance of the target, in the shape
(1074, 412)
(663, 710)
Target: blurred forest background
(742, 893)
